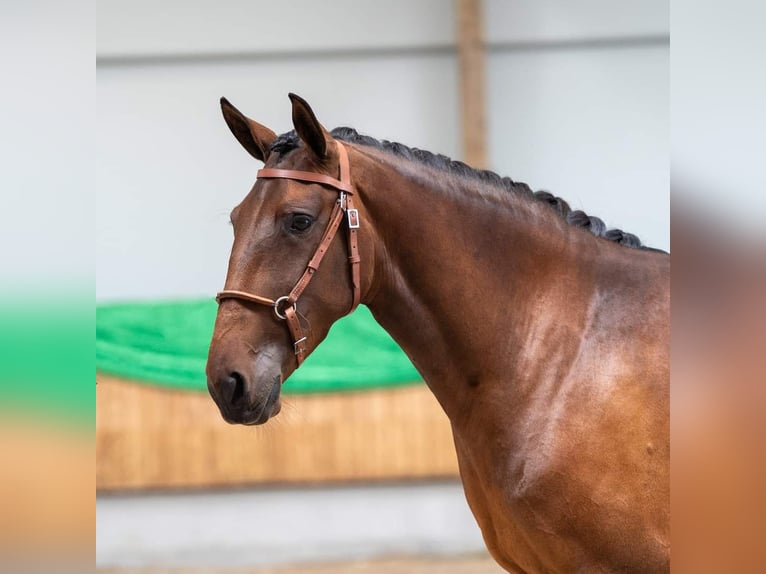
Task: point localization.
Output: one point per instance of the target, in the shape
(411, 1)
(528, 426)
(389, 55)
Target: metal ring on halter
(276, 307)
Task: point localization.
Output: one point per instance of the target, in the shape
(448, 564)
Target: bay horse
(543, 335)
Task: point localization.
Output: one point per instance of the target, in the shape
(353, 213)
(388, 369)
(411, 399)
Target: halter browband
(284, 307)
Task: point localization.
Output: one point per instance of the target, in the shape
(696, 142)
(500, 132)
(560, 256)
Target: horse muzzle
(246, 394)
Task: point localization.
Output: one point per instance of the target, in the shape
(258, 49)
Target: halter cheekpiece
(284, 306)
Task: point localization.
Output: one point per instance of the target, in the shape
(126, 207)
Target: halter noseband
(284, 307)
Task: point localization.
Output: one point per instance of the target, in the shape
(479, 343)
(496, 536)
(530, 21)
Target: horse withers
(543, 335)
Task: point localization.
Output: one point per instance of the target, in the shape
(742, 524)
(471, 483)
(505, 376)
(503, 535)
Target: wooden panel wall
(46, 490)
(152, 437)
(471, 56)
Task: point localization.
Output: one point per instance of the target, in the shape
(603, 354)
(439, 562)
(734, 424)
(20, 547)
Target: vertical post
(470, 36)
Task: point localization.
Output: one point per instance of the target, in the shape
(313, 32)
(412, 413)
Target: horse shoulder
(576, 471)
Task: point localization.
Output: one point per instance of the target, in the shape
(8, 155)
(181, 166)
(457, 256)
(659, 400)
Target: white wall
(577, 104)
(46, 147)
(590, 125)
(547, 21)
(143, 28)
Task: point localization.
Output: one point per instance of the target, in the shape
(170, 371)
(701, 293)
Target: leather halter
(284, 307)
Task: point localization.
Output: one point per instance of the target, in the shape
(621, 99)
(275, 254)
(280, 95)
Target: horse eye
(301, 222)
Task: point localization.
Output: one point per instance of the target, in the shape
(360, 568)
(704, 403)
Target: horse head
(277, 304)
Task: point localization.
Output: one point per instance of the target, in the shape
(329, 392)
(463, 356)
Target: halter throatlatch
(284, 307)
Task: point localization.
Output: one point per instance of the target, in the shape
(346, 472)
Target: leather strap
(296, 332)
(353, 251)
(285, 307)
(353, 226)
(231, 294)
(307, 176)
(329, 234)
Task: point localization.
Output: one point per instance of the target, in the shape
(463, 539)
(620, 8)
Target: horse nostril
(237, 382)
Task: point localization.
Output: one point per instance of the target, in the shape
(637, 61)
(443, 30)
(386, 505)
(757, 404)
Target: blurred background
(358, 471)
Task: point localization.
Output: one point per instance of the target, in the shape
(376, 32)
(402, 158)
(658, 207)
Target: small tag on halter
(353, 219)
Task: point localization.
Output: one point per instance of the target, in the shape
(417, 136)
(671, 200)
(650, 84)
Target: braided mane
(578, 218)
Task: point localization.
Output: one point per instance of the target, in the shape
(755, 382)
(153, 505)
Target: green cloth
(166, 343)
(46, 366)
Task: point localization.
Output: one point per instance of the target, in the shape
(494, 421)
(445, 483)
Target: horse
(543, 335)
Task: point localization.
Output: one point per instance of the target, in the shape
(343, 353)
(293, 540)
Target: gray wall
(577, 104)
(273, 526)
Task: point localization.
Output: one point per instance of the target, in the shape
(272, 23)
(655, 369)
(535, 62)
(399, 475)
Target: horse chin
(268, 412)
(271, 407)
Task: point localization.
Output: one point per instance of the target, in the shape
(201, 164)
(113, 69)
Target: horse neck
(467, 281)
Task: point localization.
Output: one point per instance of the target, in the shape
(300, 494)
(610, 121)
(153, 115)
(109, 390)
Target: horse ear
(254, 137)
(308, 127)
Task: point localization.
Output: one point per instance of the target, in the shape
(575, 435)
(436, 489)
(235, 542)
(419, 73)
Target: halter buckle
(296, 348)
